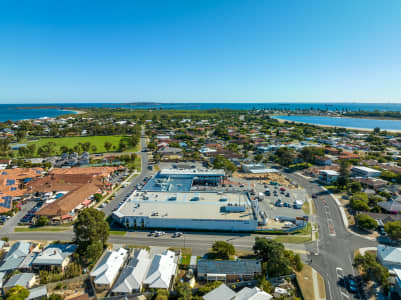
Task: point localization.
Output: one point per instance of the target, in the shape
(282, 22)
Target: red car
(282, 189)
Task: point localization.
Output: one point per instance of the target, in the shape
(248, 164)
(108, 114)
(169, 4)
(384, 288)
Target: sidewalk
(311, 284)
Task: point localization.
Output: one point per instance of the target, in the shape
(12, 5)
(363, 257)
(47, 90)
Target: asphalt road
(336, 244)
(124, 192)
(10, 224)
(199, 242)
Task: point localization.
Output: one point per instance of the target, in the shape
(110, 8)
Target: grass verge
(118, 232)
(30, 229)
(291, 239)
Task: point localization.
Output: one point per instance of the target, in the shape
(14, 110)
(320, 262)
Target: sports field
(97, 141)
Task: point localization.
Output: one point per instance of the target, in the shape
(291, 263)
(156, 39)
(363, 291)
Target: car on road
(278, 203)
(314, 196)
(351, 284)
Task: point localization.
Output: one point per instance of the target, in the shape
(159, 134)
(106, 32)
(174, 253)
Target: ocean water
(31, 111)
(14, 113)
(345, 122)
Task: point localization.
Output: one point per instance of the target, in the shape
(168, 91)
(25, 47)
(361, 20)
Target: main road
(199, 242)
(336, 245)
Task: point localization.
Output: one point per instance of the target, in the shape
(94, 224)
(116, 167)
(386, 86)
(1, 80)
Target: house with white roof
(106, 272)
(15, 256)
(161, 271)
(223, 292)
(26, 280)
(132, 276)
(389, 257)
(55, 255)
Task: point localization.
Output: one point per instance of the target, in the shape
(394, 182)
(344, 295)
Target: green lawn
(292, 239)
(185, 259)
(29, 229)
(118, 232)
(97, 141)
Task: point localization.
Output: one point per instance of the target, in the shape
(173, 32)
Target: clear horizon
(201, 52)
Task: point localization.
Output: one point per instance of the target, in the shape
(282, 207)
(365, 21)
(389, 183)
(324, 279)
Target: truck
(261, 196)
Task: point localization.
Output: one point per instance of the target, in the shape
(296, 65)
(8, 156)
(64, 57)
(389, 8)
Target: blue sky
(200, 51)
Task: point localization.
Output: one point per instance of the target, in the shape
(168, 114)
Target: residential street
(336, 244)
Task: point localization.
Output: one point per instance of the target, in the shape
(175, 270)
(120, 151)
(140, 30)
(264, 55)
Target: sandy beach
(78, 112)
(332, 126)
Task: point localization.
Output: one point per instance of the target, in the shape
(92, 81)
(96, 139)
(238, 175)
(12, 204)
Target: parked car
(351, 284)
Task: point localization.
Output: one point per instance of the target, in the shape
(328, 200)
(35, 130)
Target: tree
(17, 293)
(42, 221)
(360, 202)
(355, 186)
(107, 146)
(55, 297)
(376, 130)
(365, 221)
(372, 269)
(220, 162)
(285, 156)
(184, 291)
(343, 178)
(20, 134)
(272, 253)
(208, 287)
(97, 197)
(223, 249)
(91, 233)
(258, 157)
(393, 229)
(161, 295)
(265, 285)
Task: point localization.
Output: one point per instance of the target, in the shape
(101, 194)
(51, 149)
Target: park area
(97, 143)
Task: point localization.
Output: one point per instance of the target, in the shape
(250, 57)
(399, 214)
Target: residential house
(106, 272)
(26, 280)
(328, 176)
(223, 292)
(132, 276)
(360, 171)
(389, 257)
(228, 270)
(373, 183)
(170, 153)
(161, 271)
(55, 255)
(15, 256)
(38, 293)
(323, 161)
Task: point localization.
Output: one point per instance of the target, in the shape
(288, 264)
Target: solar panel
(10, 182)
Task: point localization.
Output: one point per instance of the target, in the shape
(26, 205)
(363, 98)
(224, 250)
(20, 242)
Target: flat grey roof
(194, 172)
(188, 205)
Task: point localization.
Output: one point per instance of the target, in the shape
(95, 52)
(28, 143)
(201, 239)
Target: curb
(344, 217)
